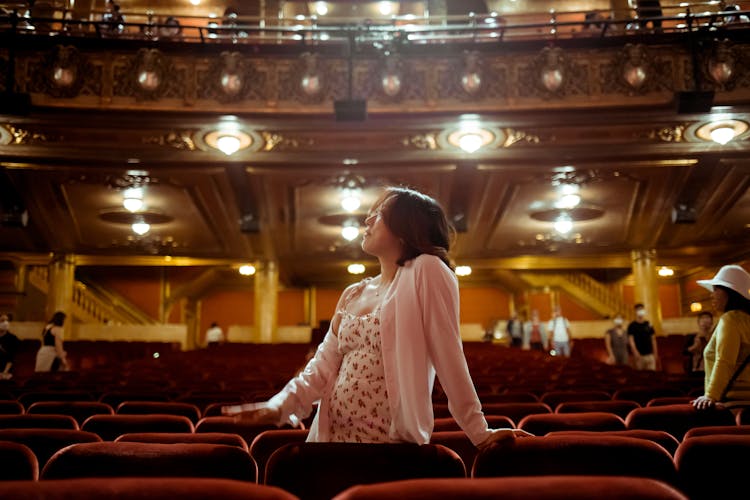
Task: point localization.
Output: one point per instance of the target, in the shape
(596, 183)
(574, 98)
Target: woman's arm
(60, 352)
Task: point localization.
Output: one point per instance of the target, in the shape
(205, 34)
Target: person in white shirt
(559, 328)
(390, 336)
(214, 335)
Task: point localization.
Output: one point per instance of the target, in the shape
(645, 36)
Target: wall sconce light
(665, 271)
(696, 307)
(463, 270)
(356, 268)
(722, 131)
(247, 270)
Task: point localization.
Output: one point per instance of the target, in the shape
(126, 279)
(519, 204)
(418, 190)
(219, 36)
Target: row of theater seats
(321, 471)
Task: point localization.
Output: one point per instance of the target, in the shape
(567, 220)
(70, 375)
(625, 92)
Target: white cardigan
(419, 333)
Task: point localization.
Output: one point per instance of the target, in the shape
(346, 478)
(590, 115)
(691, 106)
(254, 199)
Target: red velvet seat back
(38, 422)
(11, 407)
(515, 411)
(518, 488)
(600, 454)
(716, 429)
(79, 410)
(541, 424)
(18, 463)
(123, 459)
(163, 488)
(663, 438)
(188, 410)
(618, 407)
(265, 443)
(643, 394)
(677, 419)
(713, 466)
(184, 437)
(554, 398)
(228, 424)
(109, 427)
(450, 424)
(318, 471)
(46, 442)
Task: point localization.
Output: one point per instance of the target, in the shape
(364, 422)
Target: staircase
(591, 293)
(92, 304)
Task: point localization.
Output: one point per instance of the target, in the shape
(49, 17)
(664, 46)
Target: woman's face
(378, 240)
(719, 299)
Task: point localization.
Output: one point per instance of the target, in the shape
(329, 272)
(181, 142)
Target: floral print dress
(358, 410)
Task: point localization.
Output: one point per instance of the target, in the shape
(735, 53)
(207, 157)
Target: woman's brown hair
(418, 221)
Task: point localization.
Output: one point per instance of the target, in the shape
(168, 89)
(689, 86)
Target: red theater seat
(716, 429)
(515, 411)
(46, 442)
(228, 424)
(713, 466)
(600, 454)
(554, 398)
(184, 437)
(459, 442)
(18, 463)
(141, 488)
(643, 394)
(541, 424)
(79, 410)
(109, 427)
(450, 424)
(38, 422)
(518, 488)
(318, 471)
(619, 407)
(677, 419)
(10, 407)
(122, 459)
(188, 410)
(265, 443)
(663, 438)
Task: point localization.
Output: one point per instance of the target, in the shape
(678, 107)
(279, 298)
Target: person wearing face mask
(642, 340)
(616, 342)
(8, 347)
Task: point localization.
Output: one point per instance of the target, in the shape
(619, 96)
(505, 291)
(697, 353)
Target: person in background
(214, 335)
(514, 328)
(642, 339)
(727, 355)
(374, 373)
(559, 328)
(535, 333)
(616, 342)
(698, 343)
(8, 347)
(51, 356)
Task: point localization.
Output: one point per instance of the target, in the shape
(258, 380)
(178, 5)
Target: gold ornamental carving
(273, 141)
(675, 133)
(513, 136)
(426, 141)
(177, 139)
(20, 136)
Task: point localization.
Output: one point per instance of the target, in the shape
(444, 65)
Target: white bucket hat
(733, 277)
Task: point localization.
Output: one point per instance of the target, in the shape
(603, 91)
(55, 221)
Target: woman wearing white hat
(727, 355)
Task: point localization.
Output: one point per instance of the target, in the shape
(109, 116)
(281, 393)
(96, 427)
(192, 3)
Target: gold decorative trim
(275, 141)
(675, 133)
(513, 136)
(20, 136)
(426, 141)
(177, 139)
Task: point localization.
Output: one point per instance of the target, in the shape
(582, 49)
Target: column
(647, 286)
(266, 301)
(60, 293)
(191, 319)
(311, 306)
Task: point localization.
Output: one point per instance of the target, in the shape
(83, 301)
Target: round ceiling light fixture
(470, 138)
(228, 141)
(722, 131)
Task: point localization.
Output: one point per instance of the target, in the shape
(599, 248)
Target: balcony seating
(109, 427)
(318, 471)
(518, 488)
(79, 410)
(123, 459)
(140, 488)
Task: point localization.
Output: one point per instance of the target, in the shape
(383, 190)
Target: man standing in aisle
(8, 346)
(559, 326)
(642, 339)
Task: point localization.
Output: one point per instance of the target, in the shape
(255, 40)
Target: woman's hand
(253, 414)
(703, 403)
(503, 436)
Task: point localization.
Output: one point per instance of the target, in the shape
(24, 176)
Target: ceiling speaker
(351, 110)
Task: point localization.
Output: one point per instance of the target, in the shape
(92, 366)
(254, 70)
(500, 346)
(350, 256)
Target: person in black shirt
(8, 347)
(642, 339)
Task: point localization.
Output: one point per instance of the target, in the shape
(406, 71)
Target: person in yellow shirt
(727, 355)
